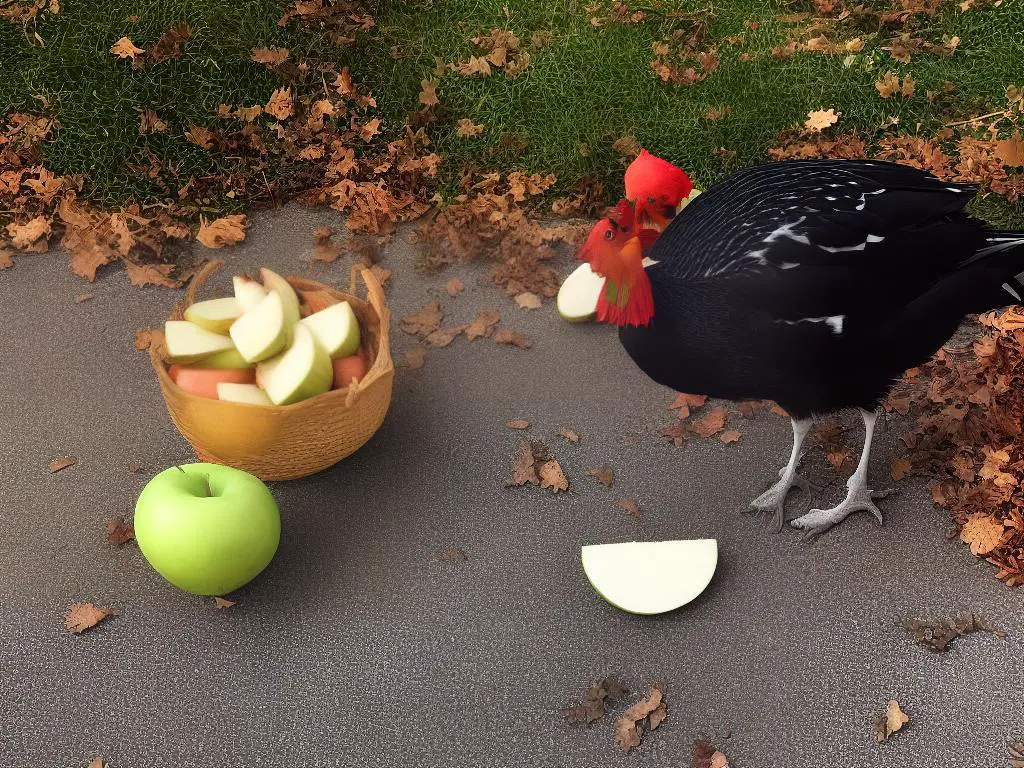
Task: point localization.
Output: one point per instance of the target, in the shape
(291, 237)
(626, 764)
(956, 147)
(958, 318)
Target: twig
(976, 119)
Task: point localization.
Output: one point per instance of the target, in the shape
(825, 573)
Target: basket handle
(375, 297)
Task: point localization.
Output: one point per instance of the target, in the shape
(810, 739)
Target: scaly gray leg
(774, 499)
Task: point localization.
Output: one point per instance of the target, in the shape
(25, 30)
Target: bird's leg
(774, 499)
(858, 498)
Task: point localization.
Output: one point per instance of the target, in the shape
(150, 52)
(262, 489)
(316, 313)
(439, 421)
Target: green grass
(590, 86)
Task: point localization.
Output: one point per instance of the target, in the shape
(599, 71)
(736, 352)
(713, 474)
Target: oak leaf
(424, 322)
(30, 236)
(168, 45)
(149, 122)
(83, 616)
(325, 250)
(477, 65)
(221, 602)
(629, 507)
(513, 338)
(524, 468)
(444, 336)
(84, 297)
(983, 532)
(428, 93)
(1010, 152)
(119, 531)
(528, 300)
(901, 467)
(126, 49)
(730, 436)
(893, 720)
(272, 57)
(551, 476)
(150, 274)
(200, 136)
(415, 357)
(711, 423)
(280, 105)
(820, 119)
(483, 324)
(569, 434)
(604, 475)
(466, 128)
(225, 231)
(593, 709)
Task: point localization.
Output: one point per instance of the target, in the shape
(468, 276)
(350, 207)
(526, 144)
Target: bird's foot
(774, 499)
(859, 499)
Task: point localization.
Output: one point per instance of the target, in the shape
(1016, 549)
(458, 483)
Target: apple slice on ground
(229, 358)
(577, 298)
(248, 292)
(242, 393)
(186, 342)
(302, 371)
(289, 299)
(262, 332)
(648, 577)
(336, 329)
(215, 315)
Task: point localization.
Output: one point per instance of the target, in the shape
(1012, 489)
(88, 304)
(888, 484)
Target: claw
(774, 499)
(817, 521)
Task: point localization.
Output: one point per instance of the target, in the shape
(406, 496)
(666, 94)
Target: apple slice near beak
(262, 331)
(577, 298)
(248, 292)
(215, 315)
(289, 299)
(302, 371)
(186, 342)
(335, 328)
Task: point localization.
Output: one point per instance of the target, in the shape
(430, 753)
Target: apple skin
(204, 381)
(348, 368)
(207, 544)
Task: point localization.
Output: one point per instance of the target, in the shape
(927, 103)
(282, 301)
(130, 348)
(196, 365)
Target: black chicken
(813, 283)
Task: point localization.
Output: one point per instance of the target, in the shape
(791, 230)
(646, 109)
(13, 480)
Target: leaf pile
(594, 707)
(938, 635)
(711, 423)
(535, 465)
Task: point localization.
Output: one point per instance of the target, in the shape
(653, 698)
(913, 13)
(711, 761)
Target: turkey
(813, 283)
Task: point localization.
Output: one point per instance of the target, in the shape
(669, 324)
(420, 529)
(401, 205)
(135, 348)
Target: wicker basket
(290, 441)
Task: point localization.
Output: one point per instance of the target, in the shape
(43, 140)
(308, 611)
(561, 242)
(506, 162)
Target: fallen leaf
(467, 129)
(126, 49)
(684, 402)
(272, 57)
(901, 467)
(428, 93)
(62, 463)
(97, 762)
(938, 635)
(551, 476)
(528, 300)
(145, 337)
(444, 336)
(483, 324)
(424, 322)
(706, 756)
(168, 45)
(838, 457)
(627, 732)
(280, 105)
(83, 616)
(888, 85)
(820, 119)
(710, 424)
(1010, 152)
(569, 434)
(605, 476)
(369, 129)
(415, 357)
(25, 236)
(730, 436)
(477, 65)
(629, 507)
(150, 274)
(779, 410)
(893, 719)
(119, 531)
(517, 424)
(657, 717)
(325, 250)
(983, 532)
(513, 338)
(200, 136)
(453, 555)
(524, 467)
(221, 602)
(454, 287)
(84, 297)
(225, 231)
(593, 708)
(5, 258)
(149, 122)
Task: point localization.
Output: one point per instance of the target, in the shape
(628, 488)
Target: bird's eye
(609, 235)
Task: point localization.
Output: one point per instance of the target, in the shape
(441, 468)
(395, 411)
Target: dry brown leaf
(820, 119)
(569, 434)
(83, 616)
(97, 762)
(369, 129)
(477, 65)
(5, 258)
(84, 297)
(168, 46)
(629, 507)
(684, 402)
(524, 469)
(893, 720)
(383, 275)
(150, 274)
(593, 709)
(149, 122)
(200, 136)
(517, 424)
(838, 457)
(444, 336)
(146, 337)
(428, 93)
(221, 602)
(710, 424)
(551, 476)
(467, 129)
(937, 636)
(513, 338)
(62, 462)
(222, 232)
(454, 287)
(453, 555)
(901, 467)
(26, 236)
(605, 476)
(126, 49)
(730, 436)
(325, 250)
(627, 734)
(119, 531)
(415, 357)
(424, 322)
(983, 532)
(483, 324)
(888, 85)
(706, 756)
(280, 105)
(1010, 152)
(272, 57)
(657, 717)
(528, 300)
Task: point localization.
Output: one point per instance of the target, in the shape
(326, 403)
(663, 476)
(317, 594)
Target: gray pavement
(360, 647)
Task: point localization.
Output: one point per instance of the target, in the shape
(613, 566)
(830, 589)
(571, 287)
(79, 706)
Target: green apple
(242, 393)
(228, 359)
(248, 292)
(648, 577)
(207, 528)
(687, 200)
(186, 342)
(336, 329)
(215, 315)
(302, 371)
(262, 332)
(577, 298)
(277, 284)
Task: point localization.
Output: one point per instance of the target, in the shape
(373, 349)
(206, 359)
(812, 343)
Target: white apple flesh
(215, 315)
(289, 299)
(248, 292)
(242, 393)
(186, 342)
(300, 372)
(649, 577)
(577, 298)
(336, 329)
(262, 332)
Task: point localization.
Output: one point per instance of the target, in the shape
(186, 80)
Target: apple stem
(206, 485)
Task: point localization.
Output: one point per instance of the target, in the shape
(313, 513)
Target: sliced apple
(336, 329)
(242, 393)
(303, 370)
(186, 342)
(248, 292)
(215, 315)
(648, 577)
(274, 282)
(577, 298)
(228, 359)
(262, 331)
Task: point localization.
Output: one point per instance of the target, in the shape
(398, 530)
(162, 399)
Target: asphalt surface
(359, 646)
